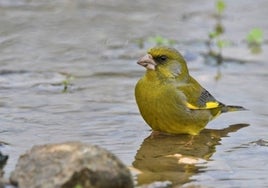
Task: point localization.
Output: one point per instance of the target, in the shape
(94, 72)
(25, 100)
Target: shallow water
(43, 42)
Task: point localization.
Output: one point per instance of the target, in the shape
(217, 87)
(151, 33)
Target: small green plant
(255, 40)
(67, 82)
(220, 6)
(159, 40)
(216, 43)
(255, 36)
(78, 186)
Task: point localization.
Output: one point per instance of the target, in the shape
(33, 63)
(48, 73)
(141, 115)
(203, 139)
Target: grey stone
(71, 164)
(3, 160)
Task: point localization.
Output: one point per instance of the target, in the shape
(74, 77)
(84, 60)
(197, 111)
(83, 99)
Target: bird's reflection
(166, 157)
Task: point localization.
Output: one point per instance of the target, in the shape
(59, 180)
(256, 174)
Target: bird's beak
(147, 61)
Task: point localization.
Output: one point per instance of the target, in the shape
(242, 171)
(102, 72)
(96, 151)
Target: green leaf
(159, 40)
(222, 43)
(213, 34)
(78, 186)
(255, 36)
(220, 5)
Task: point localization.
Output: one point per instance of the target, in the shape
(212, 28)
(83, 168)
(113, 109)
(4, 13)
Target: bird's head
(166, 61)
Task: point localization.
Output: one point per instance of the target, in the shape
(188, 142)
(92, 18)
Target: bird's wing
(204, 101)
(198, 98)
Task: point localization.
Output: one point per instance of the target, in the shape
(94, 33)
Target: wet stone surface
(69, 165)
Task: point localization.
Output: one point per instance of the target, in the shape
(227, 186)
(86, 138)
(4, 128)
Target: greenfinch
(169, 99)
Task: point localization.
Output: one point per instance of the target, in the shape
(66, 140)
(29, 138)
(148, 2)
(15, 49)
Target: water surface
(42, 42)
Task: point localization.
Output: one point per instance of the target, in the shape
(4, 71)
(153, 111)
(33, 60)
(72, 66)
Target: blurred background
(68, 71)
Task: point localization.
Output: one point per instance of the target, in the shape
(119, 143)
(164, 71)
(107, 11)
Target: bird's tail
(230, 108)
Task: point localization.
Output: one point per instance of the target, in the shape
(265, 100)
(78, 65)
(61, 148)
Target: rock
(3, 160)
(2, 185)
(71, 164)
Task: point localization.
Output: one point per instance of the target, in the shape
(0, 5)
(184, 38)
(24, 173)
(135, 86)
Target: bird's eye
(162, 58)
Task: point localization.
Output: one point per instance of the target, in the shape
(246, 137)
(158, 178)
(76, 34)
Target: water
(43, 42)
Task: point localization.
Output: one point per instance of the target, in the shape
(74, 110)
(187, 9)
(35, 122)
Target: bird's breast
(157, 100)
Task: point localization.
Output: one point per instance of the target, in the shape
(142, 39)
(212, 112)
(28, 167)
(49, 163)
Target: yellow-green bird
(169, 99)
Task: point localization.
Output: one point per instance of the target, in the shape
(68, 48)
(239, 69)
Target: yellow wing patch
(212, 104)
(209, 105)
